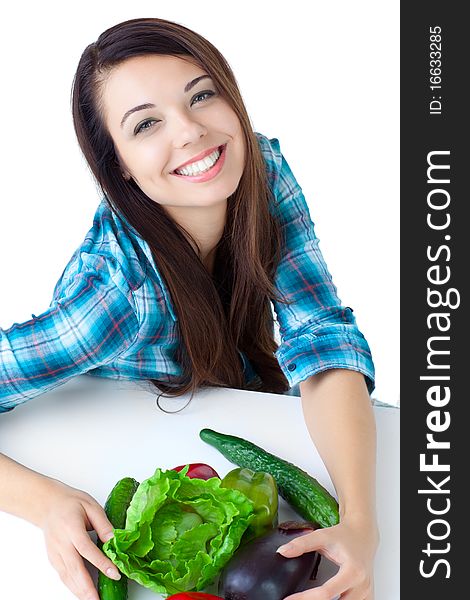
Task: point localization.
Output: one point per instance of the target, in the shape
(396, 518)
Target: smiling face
(184, 116)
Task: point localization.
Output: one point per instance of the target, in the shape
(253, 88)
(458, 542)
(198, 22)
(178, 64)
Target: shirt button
(292, 367)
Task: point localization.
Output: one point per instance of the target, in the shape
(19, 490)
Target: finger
(99, 521)
(303, 543)
(76, 577)
(93, 554)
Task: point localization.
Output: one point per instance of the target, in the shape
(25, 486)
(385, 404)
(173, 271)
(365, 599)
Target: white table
(91, 432)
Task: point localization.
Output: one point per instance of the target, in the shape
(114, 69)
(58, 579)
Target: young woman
(201, 226)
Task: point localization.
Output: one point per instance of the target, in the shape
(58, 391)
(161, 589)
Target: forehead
(146, 78)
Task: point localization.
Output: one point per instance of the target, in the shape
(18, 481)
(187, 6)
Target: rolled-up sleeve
(91, 324)
(317, 333)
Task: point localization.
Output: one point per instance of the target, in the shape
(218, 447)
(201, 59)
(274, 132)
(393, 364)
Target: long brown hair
(218, 314)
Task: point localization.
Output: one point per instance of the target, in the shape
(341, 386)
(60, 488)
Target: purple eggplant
(257, 572)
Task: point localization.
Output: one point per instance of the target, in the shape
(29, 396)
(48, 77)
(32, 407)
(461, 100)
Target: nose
(187, 130)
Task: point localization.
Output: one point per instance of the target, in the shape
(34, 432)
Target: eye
(208, 93)
(141, 127)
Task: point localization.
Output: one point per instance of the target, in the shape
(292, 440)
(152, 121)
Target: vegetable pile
(302, 491)
(179, 532)
(180, 529)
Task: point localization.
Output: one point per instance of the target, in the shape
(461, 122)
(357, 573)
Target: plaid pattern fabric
(111, 314)
(317, 332)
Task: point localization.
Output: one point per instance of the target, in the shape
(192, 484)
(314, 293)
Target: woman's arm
(64, 514)
(23, 492)
(340, 420)
(91, 324)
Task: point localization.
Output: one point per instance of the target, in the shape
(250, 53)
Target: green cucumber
(115, 508)
(302, 491)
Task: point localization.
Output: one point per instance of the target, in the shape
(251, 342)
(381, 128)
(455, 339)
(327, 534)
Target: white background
(322, 77)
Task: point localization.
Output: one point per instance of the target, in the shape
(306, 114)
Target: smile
(205, 169)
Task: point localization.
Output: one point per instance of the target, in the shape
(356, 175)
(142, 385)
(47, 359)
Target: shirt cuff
(310, 353)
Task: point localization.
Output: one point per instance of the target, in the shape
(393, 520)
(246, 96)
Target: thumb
(307, 542)
(100, 522)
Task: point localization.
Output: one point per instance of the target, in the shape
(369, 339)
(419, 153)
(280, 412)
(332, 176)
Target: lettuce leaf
(179, 532)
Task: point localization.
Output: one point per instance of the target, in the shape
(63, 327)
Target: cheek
(150, 161)
(224, 119)
(235, 127)
(231, 126)
(240, 148)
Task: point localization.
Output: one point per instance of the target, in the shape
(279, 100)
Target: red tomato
(198, 471)
(193, 596)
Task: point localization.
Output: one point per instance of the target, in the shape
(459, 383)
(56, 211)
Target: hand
(69, 514)
(352, 545)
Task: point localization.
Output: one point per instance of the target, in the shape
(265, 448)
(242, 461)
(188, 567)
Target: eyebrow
(187, 88)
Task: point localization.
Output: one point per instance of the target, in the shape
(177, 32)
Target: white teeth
(200, 166)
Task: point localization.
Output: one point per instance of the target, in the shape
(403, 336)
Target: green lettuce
(179, 532)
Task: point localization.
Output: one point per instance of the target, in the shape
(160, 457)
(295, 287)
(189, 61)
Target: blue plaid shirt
(111, 314)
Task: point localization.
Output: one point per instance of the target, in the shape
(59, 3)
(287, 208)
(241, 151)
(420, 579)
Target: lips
(208, 174)
(199, 156)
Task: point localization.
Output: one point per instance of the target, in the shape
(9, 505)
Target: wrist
(38, 498)
(23, 491)
(360, 514)
(365, 523)
(45, 488)
(357, 501)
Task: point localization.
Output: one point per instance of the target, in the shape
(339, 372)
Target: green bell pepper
(261, 489)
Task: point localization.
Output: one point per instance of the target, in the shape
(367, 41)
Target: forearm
(341, 423)
(23, 492)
